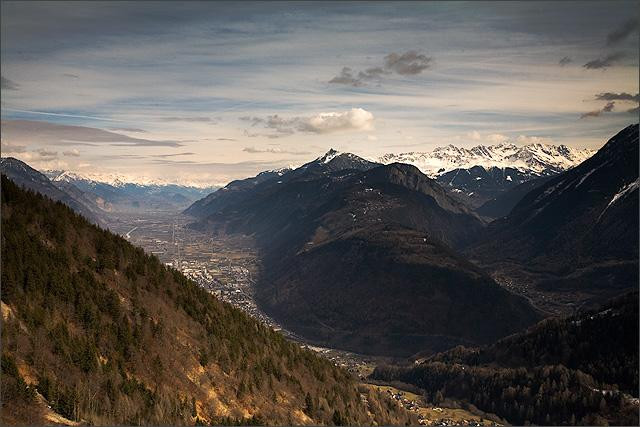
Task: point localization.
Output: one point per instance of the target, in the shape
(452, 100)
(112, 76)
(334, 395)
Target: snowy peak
(113, 180)
(329, 155)
(537, 158)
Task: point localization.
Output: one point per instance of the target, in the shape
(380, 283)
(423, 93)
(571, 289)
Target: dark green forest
(577, 370)
(108, 335)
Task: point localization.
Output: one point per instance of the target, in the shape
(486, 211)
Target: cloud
(71, 153)
(565, 61)
(526, 139)
(273, 150)
(623, 96)
(8, 84)
(189, 119)
(356, 119)
(605, 62)
(623, 32)
(47, 154)
(225, 139)
(634, 110)
(9, 147)
(52, 133)
(408, 63)
(346, 77)
(135, 130)
(163, 156)
(597, 113)
(494, 138)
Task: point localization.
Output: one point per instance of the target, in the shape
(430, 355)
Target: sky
(207, 92)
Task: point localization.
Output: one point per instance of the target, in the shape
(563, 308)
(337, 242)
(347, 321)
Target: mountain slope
(477, 184)
(577, 370)
(578, 230)
(27, 177)
(104, 334)
(572, 241)
(502, 204)
(340, 243)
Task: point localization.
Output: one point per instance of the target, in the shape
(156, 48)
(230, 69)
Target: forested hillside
(96, 331)
(582, 370)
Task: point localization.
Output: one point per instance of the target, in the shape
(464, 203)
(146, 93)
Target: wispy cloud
(565, 61)
(605, 62)
(164, 156)
(134, 130)
(404, 64)
(57, 134)
(9, 147)
(623, 32)
(71, 153)
(274, 150)
(197, 119)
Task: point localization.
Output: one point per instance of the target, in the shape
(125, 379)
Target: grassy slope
(108, 335)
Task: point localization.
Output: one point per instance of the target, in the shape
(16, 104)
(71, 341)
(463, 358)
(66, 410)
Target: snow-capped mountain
(539, 159)
(113, 192)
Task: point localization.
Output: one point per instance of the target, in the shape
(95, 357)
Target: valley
(226, 266)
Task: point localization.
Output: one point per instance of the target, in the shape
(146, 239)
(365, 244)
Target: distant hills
(94, 331)
(361, 256)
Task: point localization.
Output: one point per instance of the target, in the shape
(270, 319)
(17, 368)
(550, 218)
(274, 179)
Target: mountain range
(353, 253)
(482, 173)
(538, 158)
(115, 194)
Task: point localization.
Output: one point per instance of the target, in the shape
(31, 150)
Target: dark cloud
(57, 134)
(623, 32)
(253, 120)
(72, 76)
(623, 96)
(597, 113)
(346, 77)
(189, 119)
(565, 61)
(408, 63)
(609, 107)
(9, 85)
(605, 62)
(225, 139)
